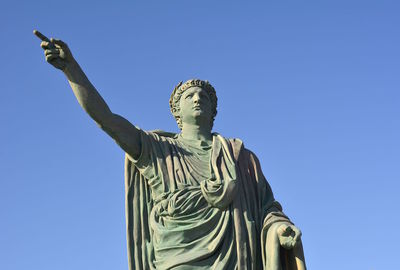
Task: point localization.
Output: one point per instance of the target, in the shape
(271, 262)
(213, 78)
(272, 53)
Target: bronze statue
(194, 200)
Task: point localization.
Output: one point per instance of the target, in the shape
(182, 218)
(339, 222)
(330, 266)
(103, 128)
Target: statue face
(195, 106)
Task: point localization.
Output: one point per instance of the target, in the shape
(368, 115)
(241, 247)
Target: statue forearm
(86, 94)
(121, 130)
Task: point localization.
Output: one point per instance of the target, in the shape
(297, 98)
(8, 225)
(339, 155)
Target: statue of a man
(194, 200)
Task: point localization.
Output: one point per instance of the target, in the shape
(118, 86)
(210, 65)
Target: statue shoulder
(238, 146)
(158, 134)
(163, 133)
(152, 138)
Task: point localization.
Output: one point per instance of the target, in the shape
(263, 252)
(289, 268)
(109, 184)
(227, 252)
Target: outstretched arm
(121, 130)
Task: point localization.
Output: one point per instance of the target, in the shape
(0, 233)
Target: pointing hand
(56, 51)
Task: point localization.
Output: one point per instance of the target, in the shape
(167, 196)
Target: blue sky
(312, 87)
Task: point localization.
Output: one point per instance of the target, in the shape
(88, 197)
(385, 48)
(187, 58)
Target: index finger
(40, 35)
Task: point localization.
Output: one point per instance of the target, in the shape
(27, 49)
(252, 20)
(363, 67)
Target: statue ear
(179, 122)
(180, 116)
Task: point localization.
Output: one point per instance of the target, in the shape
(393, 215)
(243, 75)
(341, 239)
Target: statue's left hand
(289, 235)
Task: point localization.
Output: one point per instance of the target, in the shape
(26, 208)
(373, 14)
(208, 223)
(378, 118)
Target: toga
(194, 205)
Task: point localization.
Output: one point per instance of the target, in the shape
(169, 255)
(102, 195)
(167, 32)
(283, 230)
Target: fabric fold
(220, 190)
(186, 212)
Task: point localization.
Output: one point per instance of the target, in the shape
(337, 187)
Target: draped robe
(190, 205)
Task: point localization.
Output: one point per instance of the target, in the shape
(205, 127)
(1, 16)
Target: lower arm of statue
(86, 94)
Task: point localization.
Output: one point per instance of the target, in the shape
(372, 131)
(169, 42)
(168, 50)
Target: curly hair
(181, 87)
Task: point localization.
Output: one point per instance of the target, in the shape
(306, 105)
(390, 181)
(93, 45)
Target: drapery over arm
(138, 204)
(274, 257)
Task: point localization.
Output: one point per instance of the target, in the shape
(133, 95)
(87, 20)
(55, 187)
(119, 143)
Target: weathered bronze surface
(194, 200)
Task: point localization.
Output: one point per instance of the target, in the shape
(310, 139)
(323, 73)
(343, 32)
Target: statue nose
(196, 99)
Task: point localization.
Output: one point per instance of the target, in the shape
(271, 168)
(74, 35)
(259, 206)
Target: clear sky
(312, 87)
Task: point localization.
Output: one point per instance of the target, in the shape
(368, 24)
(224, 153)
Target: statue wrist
(71, 66)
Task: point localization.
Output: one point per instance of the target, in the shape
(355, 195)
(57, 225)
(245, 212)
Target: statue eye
(204, 95)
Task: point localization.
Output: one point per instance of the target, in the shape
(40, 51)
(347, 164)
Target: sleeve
(151, 151)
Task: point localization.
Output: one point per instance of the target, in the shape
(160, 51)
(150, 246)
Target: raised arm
(121, 130)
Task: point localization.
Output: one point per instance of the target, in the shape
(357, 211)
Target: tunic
(193, 205)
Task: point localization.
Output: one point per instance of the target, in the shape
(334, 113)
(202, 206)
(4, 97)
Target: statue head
(179, 90)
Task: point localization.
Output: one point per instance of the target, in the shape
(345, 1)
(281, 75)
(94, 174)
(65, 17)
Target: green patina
(194, 200)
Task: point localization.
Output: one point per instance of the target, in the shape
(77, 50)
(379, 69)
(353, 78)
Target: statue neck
(195, 132)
